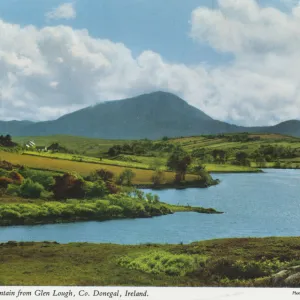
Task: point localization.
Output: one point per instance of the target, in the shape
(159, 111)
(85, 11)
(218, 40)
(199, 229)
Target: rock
(293, 280)
(295, 268)
(278, 278)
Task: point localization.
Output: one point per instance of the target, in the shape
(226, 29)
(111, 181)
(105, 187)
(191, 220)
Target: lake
(254, 205)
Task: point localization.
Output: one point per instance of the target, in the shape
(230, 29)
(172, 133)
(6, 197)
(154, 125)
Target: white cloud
(262, 82)
(47, 72)
(64, 11)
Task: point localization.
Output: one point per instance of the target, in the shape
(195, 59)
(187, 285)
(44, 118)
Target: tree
(220, 156)
(158, 177)
(68, 186)
(105, 175)
(242, 158)
(30, 189)
(126, 177)
(179, 162)
(202, 173)
(260, 161)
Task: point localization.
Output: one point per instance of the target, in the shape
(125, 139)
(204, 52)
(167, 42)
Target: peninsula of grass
(112, 208)
(243, 262)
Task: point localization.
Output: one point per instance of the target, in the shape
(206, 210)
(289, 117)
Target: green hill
(149, 116)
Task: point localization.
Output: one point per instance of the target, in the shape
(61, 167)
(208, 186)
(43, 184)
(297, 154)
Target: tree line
(6, 141)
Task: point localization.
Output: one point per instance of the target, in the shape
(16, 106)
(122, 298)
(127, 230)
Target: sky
(236, 60)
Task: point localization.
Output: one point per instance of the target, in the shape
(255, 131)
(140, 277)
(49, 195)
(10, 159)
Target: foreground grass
(224, 262)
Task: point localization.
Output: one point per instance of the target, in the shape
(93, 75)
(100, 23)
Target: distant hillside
(150, 116)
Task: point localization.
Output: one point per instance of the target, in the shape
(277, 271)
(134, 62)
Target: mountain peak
(151, 115)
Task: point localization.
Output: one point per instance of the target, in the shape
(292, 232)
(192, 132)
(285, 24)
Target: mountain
(150, 116)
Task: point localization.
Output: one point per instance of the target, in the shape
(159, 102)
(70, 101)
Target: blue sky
(234, 60)
(158, 25)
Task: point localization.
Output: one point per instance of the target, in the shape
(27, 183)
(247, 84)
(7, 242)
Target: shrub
(68, 186)
(158, 177)
(6, 165)
(3, 173)
(5, 181)
(16, 177)
(112, 188)
(177, 178)
(102, 174)
(46, 179)
(31, 189)
(126, 177)
(13, 190)
(157, 262)
(2, 191)
(243, 269)
(115, 211)
(97, 189)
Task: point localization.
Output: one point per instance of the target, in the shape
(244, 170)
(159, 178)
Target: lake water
(255, 205)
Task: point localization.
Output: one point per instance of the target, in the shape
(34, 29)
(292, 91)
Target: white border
(151, 293)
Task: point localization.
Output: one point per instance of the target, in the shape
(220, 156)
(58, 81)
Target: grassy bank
(225, 262)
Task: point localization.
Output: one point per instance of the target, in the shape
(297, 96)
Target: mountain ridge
(151, 115)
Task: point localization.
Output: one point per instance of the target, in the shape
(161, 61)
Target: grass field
(135, 161)
(189, 144)
(225, 262)
(82, 168)
(92, 149)
(84, 145)
(147, 163)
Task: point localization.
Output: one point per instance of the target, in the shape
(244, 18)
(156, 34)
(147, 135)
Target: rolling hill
(149, 116)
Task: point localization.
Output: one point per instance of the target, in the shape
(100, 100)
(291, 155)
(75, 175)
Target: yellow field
(82, 168)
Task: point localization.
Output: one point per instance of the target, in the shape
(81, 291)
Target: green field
(83, 168)
(191, 143)
(134, 161)
(82, 145)
(95, 151)
(244, 262)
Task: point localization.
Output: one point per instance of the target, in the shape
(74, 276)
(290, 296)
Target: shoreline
(172, 209)
(186, 185)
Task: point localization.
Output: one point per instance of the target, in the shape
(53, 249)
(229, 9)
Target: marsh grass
(157, 262)
(28, 263)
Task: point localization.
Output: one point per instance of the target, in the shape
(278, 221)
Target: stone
(278, 278)
(295, 268)
(293, 280)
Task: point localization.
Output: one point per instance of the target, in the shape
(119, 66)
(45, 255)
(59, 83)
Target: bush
(115, 211)
(97, 189)
(5, 181)
(16, 177)
(158, 177)
(243, 269)
(126, 177)
(3, 173)
(157, 262)
(112, 188)
(6, 165)
(13, 190)
(31, 189)
(68, 186)
(102, 174)
(46, 179)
